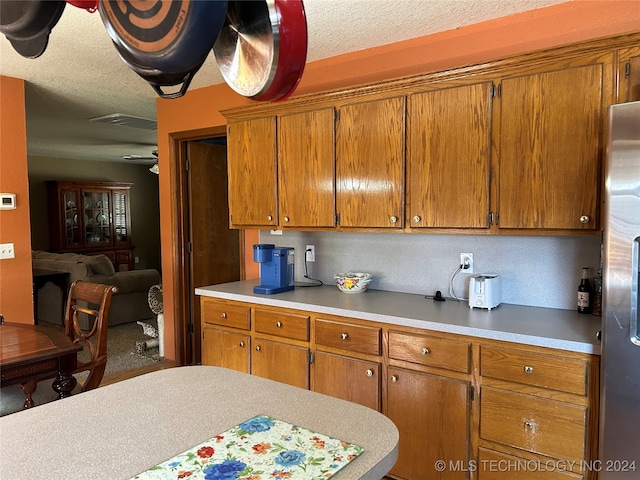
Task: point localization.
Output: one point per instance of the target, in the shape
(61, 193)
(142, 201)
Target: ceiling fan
(151, 160)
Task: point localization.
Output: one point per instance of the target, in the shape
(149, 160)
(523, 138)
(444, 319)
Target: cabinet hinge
(337, 115)
(190, 328)
(493, 218)
(189, 247)
(337, 219)
(473, 393)
(496, 90)
(311, 358)
(627, 70)
(187, 165)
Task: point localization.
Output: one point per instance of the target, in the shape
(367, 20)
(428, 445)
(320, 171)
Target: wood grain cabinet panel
(629, 74)
(280, 362)
(354, 338)
(347, 378)
(370, 164)
(539, 425)
(219, 312)
(550, 147)
(282, 324)
(433, 351)
(251, 147)
(226, 349)
(493, 465)
(306, 169)
(448, 159)
(432, 415)
(553, 372)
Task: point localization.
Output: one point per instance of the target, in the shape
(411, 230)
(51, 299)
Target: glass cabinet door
(97, 227)
(120, 216)
(71, 220)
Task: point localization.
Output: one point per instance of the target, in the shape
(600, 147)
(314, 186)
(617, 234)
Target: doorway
(211, 252)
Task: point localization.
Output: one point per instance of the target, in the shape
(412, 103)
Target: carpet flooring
(122, 355)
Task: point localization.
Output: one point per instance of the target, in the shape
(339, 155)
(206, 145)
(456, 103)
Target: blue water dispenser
(276, 268)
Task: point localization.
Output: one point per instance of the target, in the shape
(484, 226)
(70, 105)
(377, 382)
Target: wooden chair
(93, 300)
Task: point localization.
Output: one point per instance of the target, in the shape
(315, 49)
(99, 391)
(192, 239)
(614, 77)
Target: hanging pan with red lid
(262, 47)
(164, 41)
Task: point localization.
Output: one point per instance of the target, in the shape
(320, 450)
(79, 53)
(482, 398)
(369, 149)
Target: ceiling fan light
(155, 169)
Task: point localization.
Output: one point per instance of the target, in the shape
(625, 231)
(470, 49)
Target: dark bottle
(584, 292)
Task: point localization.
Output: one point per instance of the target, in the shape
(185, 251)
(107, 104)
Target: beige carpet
(121, 355)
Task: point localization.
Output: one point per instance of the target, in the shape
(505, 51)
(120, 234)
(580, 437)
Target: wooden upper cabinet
(550, 147)
(306, 169)
(251, 147)
(448, 157)
(370, 164)
(629, 74)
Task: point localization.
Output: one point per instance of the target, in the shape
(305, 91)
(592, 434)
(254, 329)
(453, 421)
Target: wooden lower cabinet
(226, 349)
(347, 378)
(432, 413)
(492, 465)
(280, 362)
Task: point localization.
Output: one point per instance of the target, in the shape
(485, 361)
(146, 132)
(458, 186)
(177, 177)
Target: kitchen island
(544, 327)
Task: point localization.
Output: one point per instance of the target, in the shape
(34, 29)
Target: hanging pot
(28, 23)
(165, 42)
(262, 47)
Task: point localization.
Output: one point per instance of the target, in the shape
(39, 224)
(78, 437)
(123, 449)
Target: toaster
(485, 291)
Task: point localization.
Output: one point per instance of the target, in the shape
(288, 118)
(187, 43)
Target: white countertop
(121, 430)
(545, 327)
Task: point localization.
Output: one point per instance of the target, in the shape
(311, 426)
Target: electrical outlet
(6, 251)
(466, 260)
(310, 252)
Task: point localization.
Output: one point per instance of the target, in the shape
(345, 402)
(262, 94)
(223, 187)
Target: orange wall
(548, 27)
(16, 295)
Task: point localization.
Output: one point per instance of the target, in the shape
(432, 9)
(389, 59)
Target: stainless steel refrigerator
(619, 454)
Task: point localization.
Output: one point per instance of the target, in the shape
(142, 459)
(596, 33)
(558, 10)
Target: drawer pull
(269, 217)
(394, 378)
(529, 425)
(286, 219)
(258, 348)
(279, 324)
(528, 369)
(241, 344)
(344, 336)
(585, 218)
(369, 372)
(416, 218)
(426, 351)
(223, 315)
(393, 219)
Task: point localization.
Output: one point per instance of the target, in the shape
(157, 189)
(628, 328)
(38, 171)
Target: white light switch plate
(6, 251)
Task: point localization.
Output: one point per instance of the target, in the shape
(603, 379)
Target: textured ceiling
(80, 75)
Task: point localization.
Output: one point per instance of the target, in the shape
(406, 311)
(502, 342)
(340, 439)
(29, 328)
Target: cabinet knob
(286, 219)
(269, 217)
(529, 425)
(369, 372)
(528, 369)
(279, 324)
(344, 336)
(393, 219)
(426, 351)
(241, 344)
(585, 219)
(223, 315)
(416, 218)
(394, 378)
(258, 348)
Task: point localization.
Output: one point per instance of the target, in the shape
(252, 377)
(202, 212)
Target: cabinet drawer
(494, 465)
(556, 373)
(223, 313)
(287, 325)
(539, 425)
(432, 351)
(354, 338)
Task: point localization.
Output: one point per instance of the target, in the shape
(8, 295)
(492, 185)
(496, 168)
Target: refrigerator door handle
(634, 331)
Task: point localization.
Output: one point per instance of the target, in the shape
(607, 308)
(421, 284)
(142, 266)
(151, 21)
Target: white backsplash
(541, 271)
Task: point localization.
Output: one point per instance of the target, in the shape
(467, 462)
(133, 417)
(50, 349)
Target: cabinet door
(96, 210)
(347, 378)
(370, 164)
(306, 169)
(432, 415)
(281, 362)
(226, 349)
(72, 221)
(449, 138)
(121, 217)
(629, 74)
(550, 148)
(252, 172)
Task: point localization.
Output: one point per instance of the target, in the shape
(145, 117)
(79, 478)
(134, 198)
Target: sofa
(130, 304)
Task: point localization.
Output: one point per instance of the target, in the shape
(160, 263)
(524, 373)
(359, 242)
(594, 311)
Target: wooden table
(31, 353)
(120, 430)
(40, 277)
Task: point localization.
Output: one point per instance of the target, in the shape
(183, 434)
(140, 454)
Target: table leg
(28, 389)
(64, 384)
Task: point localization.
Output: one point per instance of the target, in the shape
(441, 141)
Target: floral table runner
(260, 448)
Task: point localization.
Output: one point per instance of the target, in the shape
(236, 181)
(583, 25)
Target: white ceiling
(80, 75)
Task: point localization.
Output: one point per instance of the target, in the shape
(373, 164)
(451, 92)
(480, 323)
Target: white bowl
(353, 282)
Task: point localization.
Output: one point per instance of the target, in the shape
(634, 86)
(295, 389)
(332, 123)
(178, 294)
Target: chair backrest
(94, 301)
